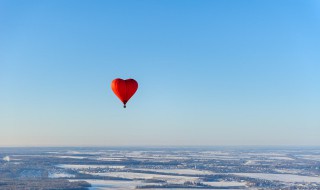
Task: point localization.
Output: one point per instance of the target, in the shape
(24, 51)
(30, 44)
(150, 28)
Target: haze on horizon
(209, 72)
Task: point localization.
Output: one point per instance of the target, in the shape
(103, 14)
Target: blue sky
(209, 72)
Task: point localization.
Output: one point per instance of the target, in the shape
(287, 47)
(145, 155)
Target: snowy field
(168, 168)
(127, 185)
(60, 175)
(226, 184)
(281, 177)
(180, 171)
(138, 176)
(75, 166)
(111, 184)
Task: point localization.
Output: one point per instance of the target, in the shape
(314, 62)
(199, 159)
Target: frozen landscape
(102, 168)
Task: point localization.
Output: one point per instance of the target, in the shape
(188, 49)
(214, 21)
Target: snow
(225, 183)
(73, 157)
(110, 184)
(266, 154)
(110, 159)
(311, 157)
(129, 185)
(215, 153)
(180, 171)
(76, 166)
(133, 175)
(250, 162)
(280, 158)
(281, 177)
(288, 171)
(60, 175)
(6, 158)
(73, 152)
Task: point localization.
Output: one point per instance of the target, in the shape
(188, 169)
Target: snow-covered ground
(76, 166)
(60, 175)
(180, 171)
(110, 159)
(281, 177)
(111, 184)
(129, 185)
(73, 157)
(311, 157)
(226, 183)
(132, 175)
(250, 162)
(288, 171)
(279, 158)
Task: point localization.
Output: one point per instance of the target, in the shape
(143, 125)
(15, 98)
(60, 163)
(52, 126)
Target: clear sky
(210, 72)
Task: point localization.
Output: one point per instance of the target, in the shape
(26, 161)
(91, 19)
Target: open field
(160, 168)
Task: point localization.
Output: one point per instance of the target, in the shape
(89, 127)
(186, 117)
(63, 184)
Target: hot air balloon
(124, 89)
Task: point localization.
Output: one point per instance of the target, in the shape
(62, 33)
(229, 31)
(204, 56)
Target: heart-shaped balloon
(124, 89)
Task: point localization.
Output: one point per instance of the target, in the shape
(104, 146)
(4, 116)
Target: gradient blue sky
(209, 72)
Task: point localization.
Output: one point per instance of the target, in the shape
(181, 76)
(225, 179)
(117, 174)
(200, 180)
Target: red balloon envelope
(124, 89)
